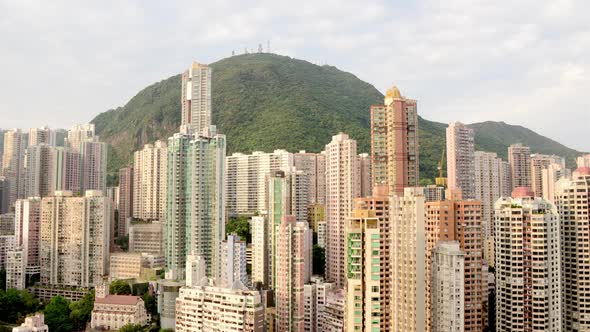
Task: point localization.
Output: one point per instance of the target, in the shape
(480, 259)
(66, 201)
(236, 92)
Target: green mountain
(267, 101)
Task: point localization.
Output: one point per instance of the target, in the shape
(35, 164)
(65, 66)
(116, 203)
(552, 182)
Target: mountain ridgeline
(266, 101)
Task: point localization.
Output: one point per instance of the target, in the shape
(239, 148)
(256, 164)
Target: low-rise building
(133, 265)
(111, 312)
(34, 323)
(202, 306)
(15, 269)
(147, 237)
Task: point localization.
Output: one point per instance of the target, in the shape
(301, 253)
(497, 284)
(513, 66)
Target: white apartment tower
(528, 264)
(341, 188)
(74, 239)
(149, 181)
(460, 159)
(196, 99)
(408, 261)
(572, 198)
(233, 261)
(447, 284)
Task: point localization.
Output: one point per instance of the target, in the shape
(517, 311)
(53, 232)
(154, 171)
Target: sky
(524, 62)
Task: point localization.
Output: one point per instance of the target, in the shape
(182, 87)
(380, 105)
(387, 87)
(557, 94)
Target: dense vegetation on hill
(267, 101)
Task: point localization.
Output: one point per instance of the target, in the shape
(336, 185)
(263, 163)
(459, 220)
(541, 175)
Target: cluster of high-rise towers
(495, 245)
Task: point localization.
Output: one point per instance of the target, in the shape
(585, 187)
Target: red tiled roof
(118, 299)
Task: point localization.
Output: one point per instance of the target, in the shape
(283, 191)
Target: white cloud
(472, 60)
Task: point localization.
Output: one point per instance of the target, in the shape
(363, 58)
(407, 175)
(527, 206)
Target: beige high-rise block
(74, 239)
(408, 261)
(149, 181)
(341, 188)
(583, 161)
(460, 159)
(42, 135)
(13, 165)
(260, 250)
(365, 181)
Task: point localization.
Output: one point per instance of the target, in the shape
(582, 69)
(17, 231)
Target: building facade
(247, 176)
(488, 186)
(147, 238)
(314, 166)
(519, 158)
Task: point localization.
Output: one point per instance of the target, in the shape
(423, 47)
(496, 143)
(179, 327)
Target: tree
(123, 242)
(81, 311)
(120, 287)
(241, 226)
(132, 328)
(319, 260)
(57, 315)
(16, 304)
(150, 304)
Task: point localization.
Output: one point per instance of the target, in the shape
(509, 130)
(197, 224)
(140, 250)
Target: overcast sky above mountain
(524, 62)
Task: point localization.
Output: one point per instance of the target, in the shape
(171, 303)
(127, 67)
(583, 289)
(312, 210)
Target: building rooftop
(118, 299)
